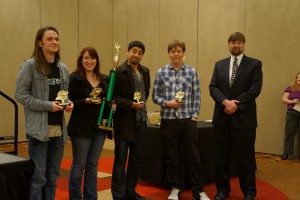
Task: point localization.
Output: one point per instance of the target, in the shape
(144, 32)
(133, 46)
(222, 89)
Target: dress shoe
(134, 196)
(284, 157)
(249, 197)
(221, 196)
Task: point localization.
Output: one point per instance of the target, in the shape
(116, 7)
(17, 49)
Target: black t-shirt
(54, 81)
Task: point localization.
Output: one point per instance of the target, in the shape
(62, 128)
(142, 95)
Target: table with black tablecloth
(15, 175)
(154, 162)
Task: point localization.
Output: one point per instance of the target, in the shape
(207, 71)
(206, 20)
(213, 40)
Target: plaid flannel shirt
(168, 82)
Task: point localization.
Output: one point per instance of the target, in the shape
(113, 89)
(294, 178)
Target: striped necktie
(234, 71)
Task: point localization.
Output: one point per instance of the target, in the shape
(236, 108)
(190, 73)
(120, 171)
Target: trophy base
(95, 100)
(63, 104)
(180, 101)
(140, 102)
(106, 128)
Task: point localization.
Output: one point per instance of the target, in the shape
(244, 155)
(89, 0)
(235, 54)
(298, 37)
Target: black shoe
(249, 197)
(221, 196)
(134, 196)
(284, 157)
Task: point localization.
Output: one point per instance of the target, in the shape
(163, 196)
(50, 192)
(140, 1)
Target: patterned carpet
(153, 192)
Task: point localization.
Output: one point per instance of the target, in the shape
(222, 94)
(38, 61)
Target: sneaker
(174, 195)
(200, 196)
(203, 196)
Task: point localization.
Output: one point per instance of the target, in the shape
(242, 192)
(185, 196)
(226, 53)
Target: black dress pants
(242, 140)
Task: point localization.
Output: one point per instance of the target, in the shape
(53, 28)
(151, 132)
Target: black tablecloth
(154, 163)
(15, 175)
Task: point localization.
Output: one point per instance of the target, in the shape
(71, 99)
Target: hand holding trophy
(137, 97)
(95, 95)
(179, 96)
(62, 96)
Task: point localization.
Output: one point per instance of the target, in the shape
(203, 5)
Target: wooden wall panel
(120, 26)
(273, 36)
(178, 21)
(95, 29)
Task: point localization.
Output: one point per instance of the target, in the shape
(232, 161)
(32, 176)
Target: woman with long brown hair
(87, 139)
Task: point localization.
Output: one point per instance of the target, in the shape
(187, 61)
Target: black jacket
(84, 118)
(125, 116)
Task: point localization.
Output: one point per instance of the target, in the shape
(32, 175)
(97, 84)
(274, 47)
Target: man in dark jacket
(235, 84)
(130, 122)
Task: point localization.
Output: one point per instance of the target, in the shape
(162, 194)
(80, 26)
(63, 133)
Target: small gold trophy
(62, 96)
(137, 97)
(179, 96)
(95, 95)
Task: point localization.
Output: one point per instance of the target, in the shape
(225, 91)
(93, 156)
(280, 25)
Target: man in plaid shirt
(179, 120)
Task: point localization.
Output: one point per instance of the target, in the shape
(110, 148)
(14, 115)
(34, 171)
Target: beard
(236, 52)
(134, 61)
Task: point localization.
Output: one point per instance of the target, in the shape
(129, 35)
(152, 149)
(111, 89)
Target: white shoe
(203, 196)
(174, 195)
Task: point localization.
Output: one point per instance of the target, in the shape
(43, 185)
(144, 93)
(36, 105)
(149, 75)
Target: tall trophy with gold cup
(106, 124)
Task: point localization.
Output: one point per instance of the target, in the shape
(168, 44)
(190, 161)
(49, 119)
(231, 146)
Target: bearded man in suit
(236, 83)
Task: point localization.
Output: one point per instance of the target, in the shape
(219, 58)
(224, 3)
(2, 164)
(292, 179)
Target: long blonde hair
(294, 86)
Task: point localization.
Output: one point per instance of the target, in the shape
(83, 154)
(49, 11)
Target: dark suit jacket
(125, 116)
(245, 89)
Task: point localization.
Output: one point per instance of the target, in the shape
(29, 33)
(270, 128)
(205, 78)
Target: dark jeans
(124, 181)
(182, 134)
(292, 127)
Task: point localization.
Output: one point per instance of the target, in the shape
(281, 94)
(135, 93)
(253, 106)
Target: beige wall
(270, 28)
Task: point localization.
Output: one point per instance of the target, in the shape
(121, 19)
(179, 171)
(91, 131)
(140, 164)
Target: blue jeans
(86, 153)
(47, 157)
(125, 182)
